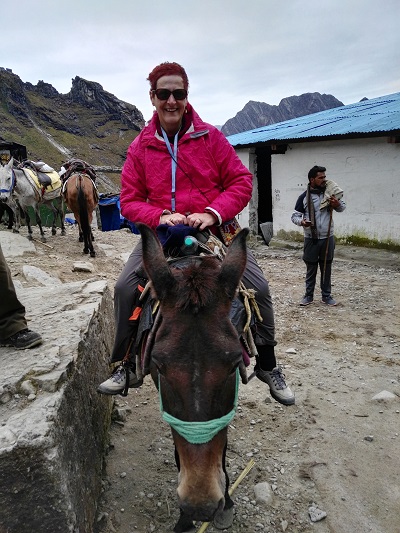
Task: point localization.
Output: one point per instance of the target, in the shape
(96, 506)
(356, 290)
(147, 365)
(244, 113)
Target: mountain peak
(257, 114)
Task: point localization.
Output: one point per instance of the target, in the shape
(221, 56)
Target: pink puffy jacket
(209, 176)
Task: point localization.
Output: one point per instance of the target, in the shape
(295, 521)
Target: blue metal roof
(365, 117)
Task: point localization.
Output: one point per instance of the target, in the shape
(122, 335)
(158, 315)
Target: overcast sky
(233, 50)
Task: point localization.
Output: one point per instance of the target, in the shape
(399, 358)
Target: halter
(12, 183)
(199, 432)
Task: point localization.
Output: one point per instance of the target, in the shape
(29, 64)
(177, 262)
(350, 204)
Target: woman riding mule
(181, 170)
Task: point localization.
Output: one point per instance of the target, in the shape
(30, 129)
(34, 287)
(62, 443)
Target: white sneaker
(115, 384)
(275, 379)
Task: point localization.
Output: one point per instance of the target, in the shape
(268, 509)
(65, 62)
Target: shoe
(116, 383)
(23, 339)
(275, 379)
(307, 300)
(328, 300)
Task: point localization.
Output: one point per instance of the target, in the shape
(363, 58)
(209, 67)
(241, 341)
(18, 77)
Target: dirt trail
(336, 448)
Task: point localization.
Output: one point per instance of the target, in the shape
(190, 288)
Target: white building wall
(368, 170)
(247, 158)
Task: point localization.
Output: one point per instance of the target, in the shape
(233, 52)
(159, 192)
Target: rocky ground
(336, 450)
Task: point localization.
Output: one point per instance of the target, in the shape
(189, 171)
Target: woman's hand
(173, 219)
(201, 220)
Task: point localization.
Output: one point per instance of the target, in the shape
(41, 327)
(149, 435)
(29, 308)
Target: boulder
(53, 424)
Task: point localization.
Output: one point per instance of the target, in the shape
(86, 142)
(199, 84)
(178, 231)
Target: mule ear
(10, 163)
(234, 263)
(154, 261)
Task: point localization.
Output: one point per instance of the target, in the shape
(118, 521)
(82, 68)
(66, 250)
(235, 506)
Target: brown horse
(196, 361)
(81, 197)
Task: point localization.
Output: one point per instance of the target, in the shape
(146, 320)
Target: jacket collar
(194, 128)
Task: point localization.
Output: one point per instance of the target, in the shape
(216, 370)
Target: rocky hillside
(94, 125)
(258, 114)
(88, 122)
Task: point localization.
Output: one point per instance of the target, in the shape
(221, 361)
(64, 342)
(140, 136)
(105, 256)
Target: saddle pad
(50, 191)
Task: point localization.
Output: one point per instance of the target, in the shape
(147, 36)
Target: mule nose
(203, 512)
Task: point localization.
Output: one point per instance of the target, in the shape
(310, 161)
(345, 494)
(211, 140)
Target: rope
(249, 300)
(199, 432)
(249, 295)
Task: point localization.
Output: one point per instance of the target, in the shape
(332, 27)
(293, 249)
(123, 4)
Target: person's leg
(310, 257)
(311, 276)
(13, 326)
(326, 271)
(12, 312)
(325, 265)
(253, 278)
(124, 295)
(267, 369)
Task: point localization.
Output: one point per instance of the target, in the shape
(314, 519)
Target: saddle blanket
(49, 183)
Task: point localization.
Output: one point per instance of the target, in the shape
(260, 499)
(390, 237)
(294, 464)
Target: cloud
(233, 50)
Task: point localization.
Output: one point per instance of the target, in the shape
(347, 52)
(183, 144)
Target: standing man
(13, 326)
(313, 211)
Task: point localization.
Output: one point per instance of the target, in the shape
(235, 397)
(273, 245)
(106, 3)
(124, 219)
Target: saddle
(145, 317)
(77, 166)
(44, 177)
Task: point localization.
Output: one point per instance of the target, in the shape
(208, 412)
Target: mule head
(194, 362)
(6, 181)
(163, 280)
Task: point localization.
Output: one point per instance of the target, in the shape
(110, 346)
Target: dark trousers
(314, 255)
(12, 312)
(128, 281)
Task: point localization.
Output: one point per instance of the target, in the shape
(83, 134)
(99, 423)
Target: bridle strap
(13, 180)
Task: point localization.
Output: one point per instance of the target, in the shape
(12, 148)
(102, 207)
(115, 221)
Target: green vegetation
(364, 242)
(350, 240)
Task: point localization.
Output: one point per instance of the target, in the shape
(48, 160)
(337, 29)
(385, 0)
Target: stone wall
(53, 423)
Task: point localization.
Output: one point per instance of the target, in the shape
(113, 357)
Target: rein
(199, 432)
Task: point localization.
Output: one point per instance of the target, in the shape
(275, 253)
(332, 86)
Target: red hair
(167, 69)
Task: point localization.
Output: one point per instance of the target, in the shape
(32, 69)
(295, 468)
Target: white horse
(19, 190)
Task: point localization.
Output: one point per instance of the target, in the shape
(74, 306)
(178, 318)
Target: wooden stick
(44, 244)
(246, 470)
(327, 245)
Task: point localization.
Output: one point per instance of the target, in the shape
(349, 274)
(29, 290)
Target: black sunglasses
(164, 94)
